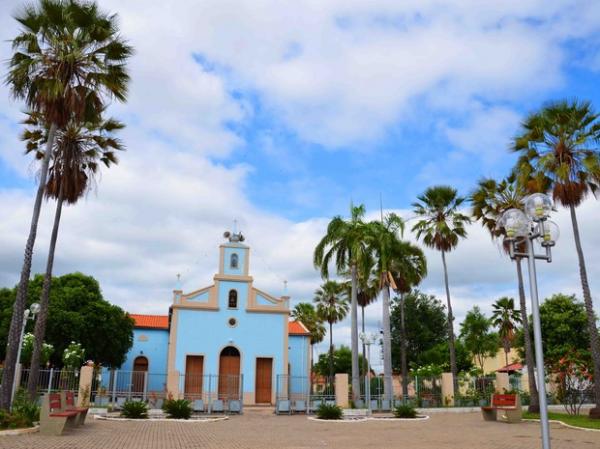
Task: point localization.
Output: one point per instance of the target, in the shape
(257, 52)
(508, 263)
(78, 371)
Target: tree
(476, 334)
(331, 307)
(425, 327)
(439, 355)
(66, 59)
(505, 318)
(306, 313)
(564, 328)
(345, 242)
(490, 200)
(368, 287)
(78, 150)
(559, 146)
(441, 225)
(27, 351)
(407, 272)
(77, 312)
(342, 362)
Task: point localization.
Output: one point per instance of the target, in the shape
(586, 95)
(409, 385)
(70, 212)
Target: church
(229, 329)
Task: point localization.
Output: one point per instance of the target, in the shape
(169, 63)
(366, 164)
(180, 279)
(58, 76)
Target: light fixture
(35, 308)
(550, 233)
(515, 224)
(538, 206)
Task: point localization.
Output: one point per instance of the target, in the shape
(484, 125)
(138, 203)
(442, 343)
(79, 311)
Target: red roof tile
(297, 328)
(151, 321)
(511, 367)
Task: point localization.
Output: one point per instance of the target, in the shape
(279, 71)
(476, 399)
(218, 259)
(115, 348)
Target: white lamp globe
(35, 308)
(515, 224)
(538, 206)
(550, 234)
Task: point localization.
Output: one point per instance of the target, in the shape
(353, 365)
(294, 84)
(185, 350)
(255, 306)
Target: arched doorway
(138, 377)
(229, 373)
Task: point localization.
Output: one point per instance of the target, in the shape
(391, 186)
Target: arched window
(232, 299)
(233, 261)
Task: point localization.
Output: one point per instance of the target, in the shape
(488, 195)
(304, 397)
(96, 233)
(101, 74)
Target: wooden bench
(53, 418)
(508, 404)
(69, 401)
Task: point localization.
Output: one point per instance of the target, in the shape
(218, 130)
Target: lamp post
(28, 314)
(368, 340)
(526, 227)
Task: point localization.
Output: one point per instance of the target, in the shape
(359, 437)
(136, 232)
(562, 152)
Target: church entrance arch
(229, 373)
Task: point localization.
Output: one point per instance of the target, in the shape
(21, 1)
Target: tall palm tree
(441, 225)
(345, 243)
(78, 150)
(332, 307)
(490, 200)
(67, 59)
(407, 272)
(505, 318)
(560, 144)
(368, 287)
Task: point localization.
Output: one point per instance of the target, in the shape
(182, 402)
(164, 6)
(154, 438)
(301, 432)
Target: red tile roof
(151, 321)
(297, 328)
(511, 367)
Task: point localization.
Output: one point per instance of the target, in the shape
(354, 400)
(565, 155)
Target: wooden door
(140, 367)
(264, 376)
(229, 373)
(194, 369)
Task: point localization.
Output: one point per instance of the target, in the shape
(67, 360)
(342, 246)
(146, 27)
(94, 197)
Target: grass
(582, 420)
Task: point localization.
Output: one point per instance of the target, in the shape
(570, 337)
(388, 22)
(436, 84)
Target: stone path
(260, 429)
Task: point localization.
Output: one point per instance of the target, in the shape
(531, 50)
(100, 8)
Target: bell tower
(234, 256)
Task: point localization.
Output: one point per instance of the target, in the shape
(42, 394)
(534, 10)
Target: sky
(280, 114)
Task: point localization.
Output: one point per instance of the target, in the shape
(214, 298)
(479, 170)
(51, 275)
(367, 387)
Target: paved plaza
(259, 429)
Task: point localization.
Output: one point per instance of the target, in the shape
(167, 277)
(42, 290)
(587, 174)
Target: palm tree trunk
(354, 335)
(364, 355)
(403, 349)
(453, 368)
(331, 374)
(534, 398)
(16, 322)
(591, 316)
(40, 324)
(388, 386)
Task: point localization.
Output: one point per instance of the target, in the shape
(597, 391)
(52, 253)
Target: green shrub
(177, 408)
(326, 411)
(405, 411)
(135, 410)
(25, 409)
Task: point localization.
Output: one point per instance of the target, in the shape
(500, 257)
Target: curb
(366, 418)
(556, 421)
(205, 420)
(9, 432)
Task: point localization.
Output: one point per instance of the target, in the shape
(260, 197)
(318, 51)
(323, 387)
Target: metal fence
(301, 394)
(53, 380)
(212, 392)
(475, 391)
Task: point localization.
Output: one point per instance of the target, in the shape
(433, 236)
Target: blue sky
(279, 115)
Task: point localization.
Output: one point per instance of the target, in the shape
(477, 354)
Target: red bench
(508, 404)
(70, 407)
(53, 417)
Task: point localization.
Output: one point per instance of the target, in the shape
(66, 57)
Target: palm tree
(441, 225)
(559, 145)
(78, 149)
(331, 307)
(505, 318)
(68, 57)
(345, 242)
(490, 200)
(407, 272)
(368, 287)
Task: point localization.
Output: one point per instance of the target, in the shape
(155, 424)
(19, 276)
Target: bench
(53, 418)
(508, 404)
(70, 407)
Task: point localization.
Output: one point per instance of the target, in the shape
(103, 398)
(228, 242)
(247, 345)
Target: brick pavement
(259, 429)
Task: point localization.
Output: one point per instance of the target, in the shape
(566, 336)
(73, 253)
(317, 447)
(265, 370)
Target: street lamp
(28, 314)
(368, 340)
(525, 227)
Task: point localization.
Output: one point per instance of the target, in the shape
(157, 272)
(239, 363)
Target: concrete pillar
(86, 375)
(173, 384)
(502, 382)
(447, 389)
(341, 390)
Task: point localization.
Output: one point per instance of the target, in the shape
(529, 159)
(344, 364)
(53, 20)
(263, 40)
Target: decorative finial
(285, 286)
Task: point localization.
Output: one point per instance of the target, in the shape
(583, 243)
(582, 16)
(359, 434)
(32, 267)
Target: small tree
(73, 355)
(576, 383)
(476, 333)
(27, 350)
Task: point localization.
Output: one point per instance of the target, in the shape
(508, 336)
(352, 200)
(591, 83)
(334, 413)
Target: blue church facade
(229, 328)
